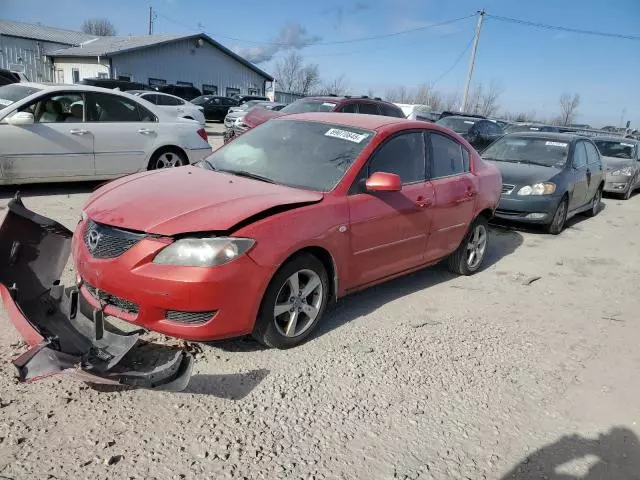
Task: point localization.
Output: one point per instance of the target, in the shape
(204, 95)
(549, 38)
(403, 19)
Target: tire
(597, 200)
(559, 217)
(275, 329)
(167, 158)
(474, 243)
(629, 192)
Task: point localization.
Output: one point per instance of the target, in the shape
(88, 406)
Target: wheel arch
(327, 261)
(163, 148)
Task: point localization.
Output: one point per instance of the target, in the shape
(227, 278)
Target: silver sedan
(621, 158)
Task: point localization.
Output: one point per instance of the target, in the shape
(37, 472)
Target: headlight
(203, 252)
(546, 188)
(626, 171)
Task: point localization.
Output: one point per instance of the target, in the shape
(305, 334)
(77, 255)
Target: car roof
(465, 117)
(615, 138)
(358, 120)
(562, 137)
(55, 87)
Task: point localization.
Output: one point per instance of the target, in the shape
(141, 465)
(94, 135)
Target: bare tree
(293, 76)
(451, 101)
(520, 116)
(101, 27)
(482, 101)
(337, 86)
(568, 106)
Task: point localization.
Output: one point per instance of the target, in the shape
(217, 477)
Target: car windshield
(620, 149)
(532, 150)
(301, 154)
(528, 128)
(303, 106)
(201, 99)
(13, 93)
(457, 124)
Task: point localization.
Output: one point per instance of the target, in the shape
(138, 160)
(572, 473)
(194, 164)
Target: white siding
(30, 54)
(88, 67)
(183, 61)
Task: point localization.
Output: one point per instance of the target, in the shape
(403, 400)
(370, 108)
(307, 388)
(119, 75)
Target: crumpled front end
(64, 333)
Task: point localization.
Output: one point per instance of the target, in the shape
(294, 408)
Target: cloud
(292, 36)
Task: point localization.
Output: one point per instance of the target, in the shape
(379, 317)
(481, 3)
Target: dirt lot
(529, 369)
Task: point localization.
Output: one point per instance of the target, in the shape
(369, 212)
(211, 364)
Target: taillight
(203, 134)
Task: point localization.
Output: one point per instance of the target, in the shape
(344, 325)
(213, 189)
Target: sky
(532, 66)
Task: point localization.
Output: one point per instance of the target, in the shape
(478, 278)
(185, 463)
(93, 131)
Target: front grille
(191, 318)
(103, 241)
(511, 213)
(106, 298)
(507, 189)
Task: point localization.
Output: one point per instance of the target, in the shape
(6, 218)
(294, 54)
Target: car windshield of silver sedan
(304, 106)
(458, 125)
(13, 93)
(300, 154)
(616, 149)
(531, 150)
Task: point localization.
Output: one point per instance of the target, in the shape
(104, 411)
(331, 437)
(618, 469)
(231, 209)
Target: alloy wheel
(476, 246)
(298, 303)
(169, 160)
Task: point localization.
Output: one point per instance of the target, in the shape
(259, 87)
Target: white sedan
(62, 133)
(171, 103)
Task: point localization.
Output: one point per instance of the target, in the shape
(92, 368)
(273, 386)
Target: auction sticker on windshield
(4, 102)
(628, 145)
(346, 135)
(556, 144)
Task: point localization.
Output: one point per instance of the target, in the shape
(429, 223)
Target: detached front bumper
(64, 333)
(529, 209)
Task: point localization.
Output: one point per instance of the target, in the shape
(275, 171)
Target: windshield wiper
(244, 173)
(530, 162)
(492, 159)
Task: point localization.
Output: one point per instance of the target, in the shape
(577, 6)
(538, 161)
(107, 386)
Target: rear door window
(103, 107)
(349, 108)
(368, 108)
(390, 111)
(447, 159)
(169, 101)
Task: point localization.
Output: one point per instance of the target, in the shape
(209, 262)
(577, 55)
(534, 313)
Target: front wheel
(294, 303)
(468, 257)
(559, 217)
(597, 200)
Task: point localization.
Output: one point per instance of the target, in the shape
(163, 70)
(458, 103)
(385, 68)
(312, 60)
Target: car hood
(258, 116)
(613, 163)
(189, 199)
(523, 174)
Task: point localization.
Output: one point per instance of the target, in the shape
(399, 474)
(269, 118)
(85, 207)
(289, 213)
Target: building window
(185, 84)
(254, 91)
(126, 78)
(232, 91)
(209, 89)
(157, 82)
(75, 75)
(103, 75)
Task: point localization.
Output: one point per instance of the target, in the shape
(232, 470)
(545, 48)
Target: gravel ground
(529, 370)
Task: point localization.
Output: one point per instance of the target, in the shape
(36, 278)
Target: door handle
(424, 202)
(78, 131)
(146, 131)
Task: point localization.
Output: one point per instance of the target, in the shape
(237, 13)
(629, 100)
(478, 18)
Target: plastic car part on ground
(64, 333)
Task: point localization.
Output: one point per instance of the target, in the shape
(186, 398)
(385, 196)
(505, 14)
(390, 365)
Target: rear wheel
(559, 217)
(468, 257)
(294, 303)
(167, 158)
(597, 200)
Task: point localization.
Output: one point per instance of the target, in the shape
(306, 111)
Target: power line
(455, 63)
(337, 42)
(563, 29)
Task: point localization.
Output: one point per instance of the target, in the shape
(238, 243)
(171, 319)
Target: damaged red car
(261, 235)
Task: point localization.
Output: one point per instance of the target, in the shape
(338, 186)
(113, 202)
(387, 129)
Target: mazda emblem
(92, 240)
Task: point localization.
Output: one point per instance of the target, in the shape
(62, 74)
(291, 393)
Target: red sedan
(260, 236)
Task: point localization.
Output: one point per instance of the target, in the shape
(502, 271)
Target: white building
(195, 60)
(24, 46)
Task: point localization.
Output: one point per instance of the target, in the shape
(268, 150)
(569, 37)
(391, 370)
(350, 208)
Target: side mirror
(384, 182)
(21, 118)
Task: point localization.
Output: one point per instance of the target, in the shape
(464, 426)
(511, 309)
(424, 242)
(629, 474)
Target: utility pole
(472, 61)
(150, 20)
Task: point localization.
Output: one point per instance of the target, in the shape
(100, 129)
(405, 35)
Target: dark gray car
(547, 177)
(621, 158)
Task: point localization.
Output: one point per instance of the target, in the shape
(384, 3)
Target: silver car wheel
(298, 303)
(476, 246)
(169, 160)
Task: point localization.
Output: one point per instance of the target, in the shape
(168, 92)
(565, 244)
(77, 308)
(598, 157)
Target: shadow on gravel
(233, 386)
(42, 190)
(502, 242)
(612, 456)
